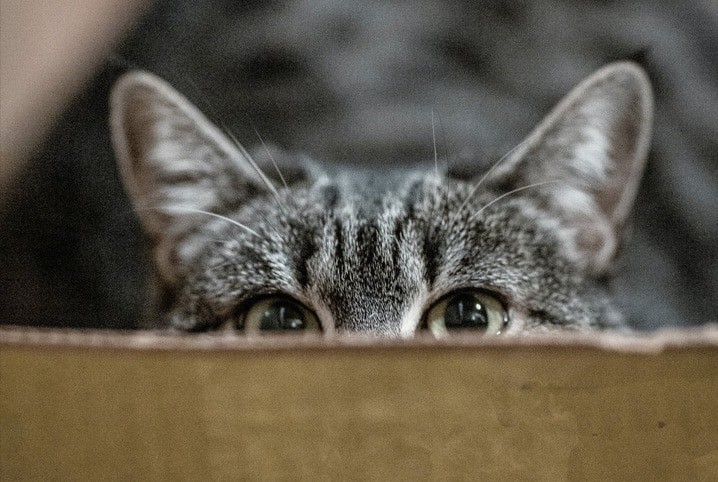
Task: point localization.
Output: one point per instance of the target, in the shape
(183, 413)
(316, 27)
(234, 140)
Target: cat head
(524, 247)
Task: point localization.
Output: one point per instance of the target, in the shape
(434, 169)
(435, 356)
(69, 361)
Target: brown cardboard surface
(76, 406)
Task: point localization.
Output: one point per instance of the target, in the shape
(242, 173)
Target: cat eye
(279, 313)
(468, 310)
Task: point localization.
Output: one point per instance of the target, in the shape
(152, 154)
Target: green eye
(279, 313)
(467, 311)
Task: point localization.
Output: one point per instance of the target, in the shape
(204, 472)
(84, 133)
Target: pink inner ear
(597, 242)
(629, 137)
(137, 122)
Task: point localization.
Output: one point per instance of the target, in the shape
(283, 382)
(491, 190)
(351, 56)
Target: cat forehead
(370, 192)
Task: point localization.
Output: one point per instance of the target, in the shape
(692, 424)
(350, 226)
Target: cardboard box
(150, 406)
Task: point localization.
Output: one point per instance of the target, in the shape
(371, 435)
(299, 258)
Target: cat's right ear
(584, 161)
(174, 162)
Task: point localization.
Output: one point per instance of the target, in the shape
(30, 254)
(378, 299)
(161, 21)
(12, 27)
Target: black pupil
(465, 311)
(283, 315)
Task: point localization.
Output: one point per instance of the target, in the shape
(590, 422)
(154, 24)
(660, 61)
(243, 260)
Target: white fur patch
(591, 155)
(411, 319)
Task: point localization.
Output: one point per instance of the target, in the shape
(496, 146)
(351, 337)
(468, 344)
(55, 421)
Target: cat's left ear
(179, 169)
(591, 148)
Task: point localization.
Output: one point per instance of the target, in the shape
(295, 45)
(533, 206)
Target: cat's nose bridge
(364, 301)
(372, 323)
(365, 272)
(369, 301)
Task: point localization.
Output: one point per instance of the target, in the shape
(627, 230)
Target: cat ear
(173, 161)
(591, 149)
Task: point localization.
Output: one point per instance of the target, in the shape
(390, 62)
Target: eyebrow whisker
(274, 163)
(506, 194)
(257, 169)
(207, 213)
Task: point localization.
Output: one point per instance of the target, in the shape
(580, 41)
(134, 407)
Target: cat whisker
(442, 131)
(476, 187)
(506, 194)
(433, 138)
(207, 213)
(241, 148)
(488, 173)
(274, 163)
(209, 106)
(257, 169)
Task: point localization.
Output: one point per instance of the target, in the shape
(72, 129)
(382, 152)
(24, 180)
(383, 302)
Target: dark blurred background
(356, 82)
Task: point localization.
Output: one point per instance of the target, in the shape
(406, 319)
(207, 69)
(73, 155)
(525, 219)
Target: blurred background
(345, 82)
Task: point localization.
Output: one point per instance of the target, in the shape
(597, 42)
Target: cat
(525, 247)
(346, 82)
